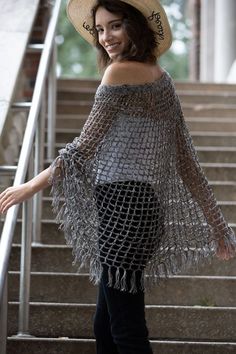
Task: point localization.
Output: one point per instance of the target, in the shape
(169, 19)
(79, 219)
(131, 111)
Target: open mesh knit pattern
(130, 193)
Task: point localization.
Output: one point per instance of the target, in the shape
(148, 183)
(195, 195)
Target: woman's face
(111, 33)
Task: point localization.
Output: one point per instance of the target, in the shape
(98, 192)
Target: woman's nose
(107, 35)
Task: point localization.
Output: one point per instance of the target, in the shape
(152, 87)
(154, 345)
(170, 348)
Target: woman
(136, 198)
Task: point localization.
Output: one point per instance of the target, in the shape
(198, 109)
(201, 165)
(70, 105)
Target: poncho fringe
(130, 193)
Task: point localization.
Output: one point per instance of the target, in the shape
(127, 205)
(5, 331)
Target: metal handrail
(8, 170)
(45, 71)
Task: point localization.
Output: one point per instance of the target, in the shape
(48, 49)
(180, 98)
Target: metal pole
(25, 269)
(3, 319)
(6, 243)
(52, 92)
(26, 249)
(39, 166)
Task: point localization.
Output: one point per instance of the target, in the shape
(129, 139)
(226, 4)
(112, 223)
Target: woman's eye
(117, 25)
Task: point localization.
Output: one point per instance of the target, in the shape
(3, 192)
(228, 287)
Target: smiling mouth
(111, 46)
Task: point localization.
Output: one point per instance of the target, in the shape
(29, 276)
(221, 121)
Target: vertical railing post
(52, 92)
(38, 167)
(3, 318)
(25, 268)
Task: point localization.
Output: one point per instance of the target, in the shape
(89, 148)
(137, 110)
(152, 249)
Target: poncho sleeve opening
(191, 173)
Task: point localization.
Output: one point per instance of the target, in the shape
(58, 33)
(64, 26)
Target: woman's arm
(18, 194)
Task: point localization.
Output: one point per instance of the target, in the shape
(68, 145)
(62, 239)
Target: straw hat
(80, 15)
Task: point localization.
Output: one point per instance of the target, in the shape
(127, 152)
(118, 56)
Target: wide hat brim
(80, 14)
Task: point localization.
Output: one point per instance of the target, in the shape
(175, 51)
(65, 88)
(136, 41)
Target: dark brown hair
(142, 37)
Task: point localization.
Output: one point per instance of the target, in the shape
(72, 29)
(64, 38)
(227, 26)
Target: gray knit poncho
(130, 193)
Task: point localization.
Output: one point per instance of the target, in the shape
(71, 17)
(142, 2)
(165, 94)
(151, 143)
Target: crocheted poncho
(130, 193)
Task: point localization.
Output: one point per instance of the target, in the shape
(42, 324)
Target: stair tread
(187, 117)
(200, 148)
(200, 277)
(206, 164)
(76, 340)
(221, 202)
(193, 133)
(74, 346)
(86, 305)
(208, 133)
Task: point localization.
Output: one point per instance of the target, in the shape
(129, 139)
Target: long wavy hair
(142, 40)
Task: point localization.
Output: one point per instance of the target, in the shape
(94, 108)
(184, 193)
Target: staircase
(194, 312)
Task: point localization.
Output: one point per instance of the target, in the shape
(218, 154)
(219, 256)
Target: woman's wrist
(39, 182)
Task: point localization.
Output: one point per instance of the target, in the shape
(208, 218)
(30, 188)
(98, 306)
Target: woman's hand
(225, 251)
(15, 195)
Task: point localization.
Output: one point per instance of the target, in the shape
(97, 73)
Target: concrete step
(190, 110)
(228, 209)
(176, 290)
(220, 171)
(207, 124)
(164, 322)
(66, 135)
(204, 87)
(223, 190)
(216, 154)
(193, 97)
(50, 233)
(207, 97)
(74, 107)
(76, 94)
(58, 258)
(208, 138)
(71, 121)
(219, 154)
(200, 138)
(204, 124)
(206, 154)
(45, 258)
(209, 110)
(87, 346)
(71, 84)
(225, 172)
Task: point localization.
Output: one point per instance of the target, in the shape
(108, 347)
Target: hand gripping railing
(34, 135)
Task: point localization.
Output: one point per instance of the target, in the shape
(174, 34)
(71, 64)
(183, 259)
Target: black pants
(119, 324)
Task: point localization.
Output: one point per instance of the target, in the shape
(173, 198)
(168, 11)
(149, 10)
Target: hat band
(156, 17)
(88, 28)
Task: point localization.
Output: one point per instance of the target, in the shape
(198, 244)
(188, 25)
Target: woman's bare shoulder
(130, 73)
